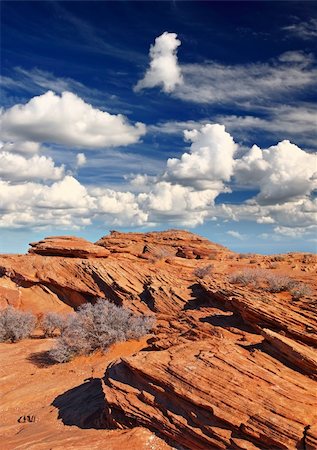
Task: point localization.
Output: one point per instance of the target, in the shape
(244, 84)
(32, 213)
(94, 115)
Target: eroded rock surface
(207, 394)
(226, 367)
(68, 246)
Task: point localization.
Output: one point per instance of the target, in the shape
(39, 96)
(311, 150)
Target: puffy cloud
(182, 194)
(210, 161)
(175, 203)
(66, 203)
(301, 213)
(67, 120)
(65, 194)
(80, 159)
(18, 168)
(164, 69)
(282, 172)
(122, 206)
(296, 232)
(23, 147)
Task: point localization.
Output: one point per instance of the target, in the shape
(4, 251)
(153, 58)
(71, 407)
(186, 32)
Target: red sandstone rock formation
(227, 366)
(67, 246)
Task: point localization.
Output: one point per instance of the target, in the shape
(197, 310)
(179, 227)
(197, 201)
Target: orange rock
(68, 246)
(162, 244)
(212, 394)
(227, 366)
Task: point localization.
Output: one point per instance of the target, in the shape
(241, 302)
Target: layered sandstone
(226, 367)
(212, 394)
(67, 246)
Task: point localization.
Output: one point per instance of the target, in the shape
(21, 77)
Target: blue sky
(155, 115)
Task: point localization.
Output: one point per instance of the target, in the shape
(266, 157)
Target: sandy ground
(29, 388)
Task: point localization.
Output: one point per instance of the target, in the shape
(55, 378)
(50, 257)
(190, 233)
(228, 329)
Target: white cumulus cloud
(164, 70)
(80, 159)
(23, 147)
(67, 119)
(15, 167)
(210, 161)
(283, 172)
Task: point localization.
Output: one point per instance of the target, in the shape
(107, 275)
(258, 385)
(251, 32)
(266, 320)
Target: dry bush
(244, 255)
(202, 272)
(53, 322)
(300, 290)
(279, 283)
(246, 276)
(96, 327)
(270, 282)
(15, 325)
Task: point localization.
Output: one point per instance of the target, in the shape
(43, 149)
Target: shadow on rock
(199, 297)
(83, 405)
(227, 321)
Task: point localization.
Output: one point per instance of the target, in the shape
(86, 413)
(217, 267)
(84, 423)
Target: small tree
(52, 322)
(96, 327)
(15, 325)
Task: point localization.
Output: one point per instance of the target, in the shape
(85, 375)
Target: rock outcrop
(227, 366)
(212, 394)
(68, 246)
(160, 245)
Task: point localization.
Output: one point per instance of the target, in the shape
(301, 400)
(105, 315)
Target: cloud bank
(184, 193)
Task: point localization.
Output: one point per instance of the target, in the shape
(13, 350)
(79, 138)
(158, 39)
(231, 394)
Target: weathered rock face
(212, 394)
(68, 246)
(161, 245)
(227, 366)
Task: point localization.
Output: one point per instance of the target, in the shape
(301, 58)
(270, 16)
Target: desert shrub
(244, 255)
(202, 272)
(245, 277)
(300, 290)
(53, 322)
(96, 327)
(279, 283)
(15, 325)
(270, 282)
(262, 278)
